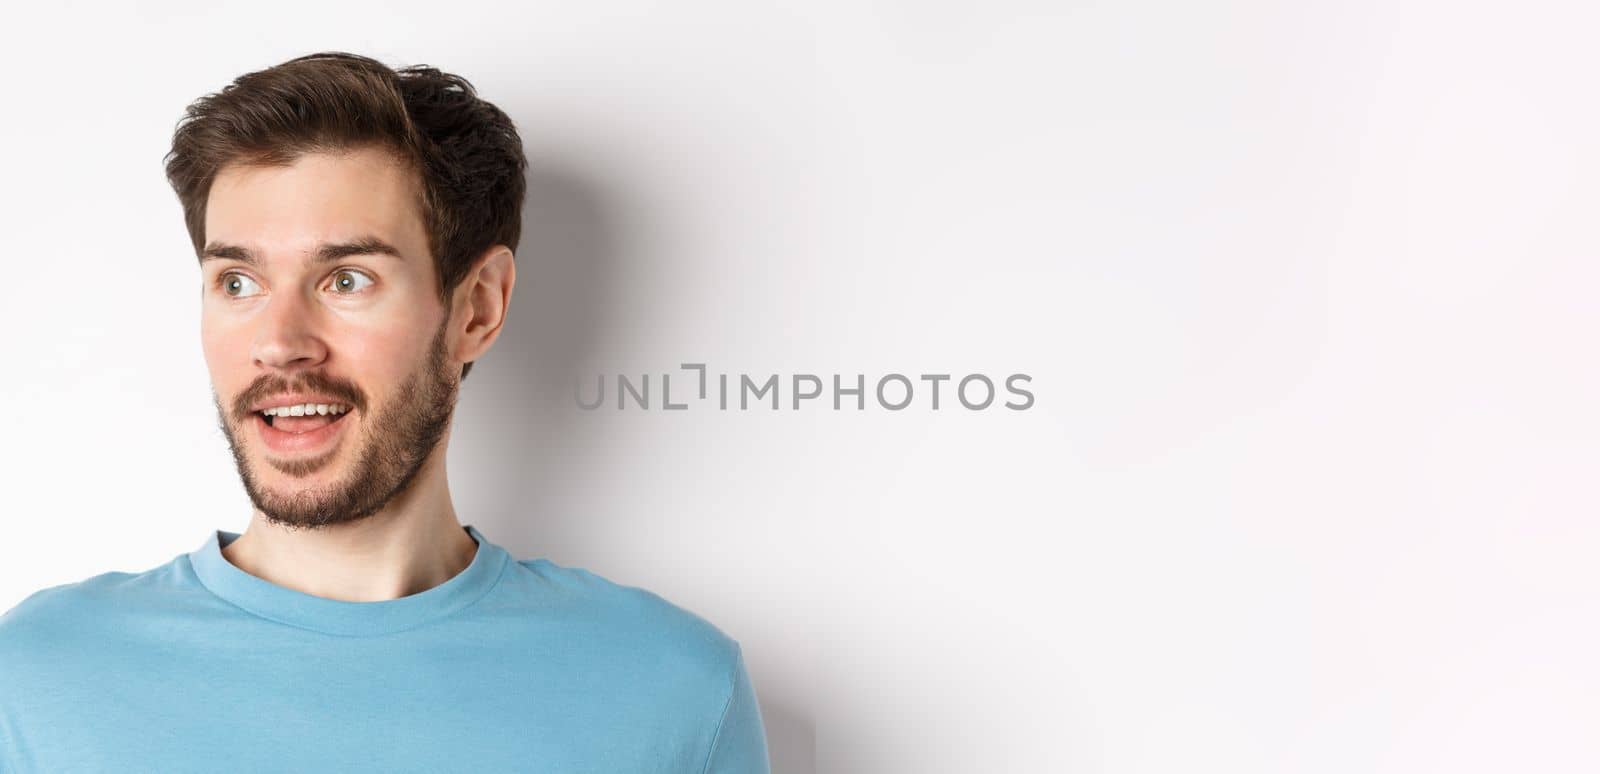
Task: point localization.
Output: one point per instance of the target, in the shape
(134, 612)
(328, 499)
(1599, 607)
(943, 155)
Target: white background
(1307, 292)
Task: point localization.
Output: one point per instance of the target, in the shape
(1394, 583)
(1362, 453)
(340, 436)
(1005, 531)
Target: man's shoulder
(55, 613)
(629, 617)
(63, 601)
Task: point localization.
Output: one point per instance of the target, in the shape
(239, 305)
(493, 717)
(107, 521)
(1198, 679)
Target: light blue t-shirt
(510, 666)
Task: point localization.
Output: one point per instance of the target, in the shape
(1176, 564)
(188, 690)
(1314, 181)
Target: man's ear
(480, 303)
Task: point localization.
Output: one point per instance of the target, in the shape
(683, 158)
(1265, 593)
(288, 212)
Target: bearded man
(354, 227)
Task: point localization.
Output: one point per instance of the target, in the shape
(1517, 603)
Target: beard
(396, 444)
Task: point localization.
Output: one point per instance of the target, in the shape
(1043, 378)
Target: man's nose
(288, 336)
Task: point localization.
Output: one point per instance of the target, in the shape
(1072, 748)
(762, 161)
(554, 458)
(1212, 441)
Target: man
(354, 227)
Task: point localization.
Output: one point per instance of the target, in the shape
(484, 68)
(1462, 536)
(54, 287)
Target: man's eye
(238, 285)
(347, 281)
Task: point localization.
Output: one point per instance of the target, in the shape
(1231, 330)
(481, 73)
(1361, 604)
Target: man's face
(303, 305)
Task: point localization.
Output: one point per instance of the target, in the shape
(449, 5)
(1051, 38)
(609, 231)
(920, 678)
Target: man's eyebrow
(325, 252)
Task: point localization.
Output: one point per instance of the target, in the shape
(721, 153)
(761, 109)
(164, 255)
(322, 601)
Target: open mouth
(304, 417)
(299, 428)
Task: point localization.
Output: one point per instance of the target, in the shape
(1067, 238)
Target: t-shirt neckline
(333, 616)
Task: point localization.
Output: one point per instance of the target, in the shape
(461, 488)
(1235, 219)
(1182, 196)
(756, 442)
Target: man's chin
(305, 502)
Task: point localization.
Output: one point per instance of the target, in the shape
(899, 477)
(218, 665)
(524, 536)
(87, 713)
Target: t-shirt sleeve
(740, 743)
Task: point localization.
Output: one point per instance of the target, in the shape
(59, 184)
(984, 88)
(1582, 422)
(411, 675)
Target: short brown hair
(466, 151)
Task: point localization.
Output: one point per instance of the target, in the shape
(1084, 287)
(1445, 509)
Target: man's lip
(285, 443)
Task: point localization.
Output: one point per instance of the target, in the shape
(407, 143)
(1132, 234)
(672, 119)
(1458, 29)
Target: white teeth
(305, 409)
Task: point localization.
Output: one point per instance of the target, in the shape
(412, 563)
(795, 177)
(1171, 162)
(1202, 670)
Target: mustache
(269, 384)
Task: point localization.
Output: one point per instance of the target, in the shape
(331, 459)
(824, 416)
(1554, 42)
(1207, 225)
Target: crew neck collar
(333, 616)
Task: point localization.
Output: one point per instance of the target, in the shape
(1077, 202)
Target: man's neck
(412, 545)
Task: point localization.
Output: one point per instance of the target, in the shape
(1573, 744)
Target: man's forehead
(319, 199)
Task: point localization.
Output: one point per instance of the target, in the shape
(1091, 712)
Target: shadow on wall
(791, 734)
(516, 416)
